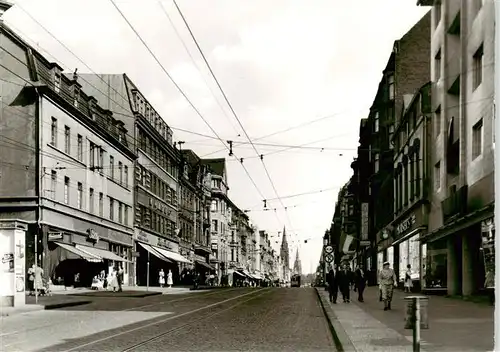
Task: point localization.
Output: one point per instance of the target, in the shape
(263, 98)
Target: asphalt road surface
(242, 319)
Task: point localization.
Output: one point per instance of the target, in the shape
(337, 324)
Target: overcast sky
(281, 63)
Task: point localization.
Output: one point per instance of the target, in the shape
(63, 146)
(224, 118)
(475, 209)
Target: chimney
(4, 6)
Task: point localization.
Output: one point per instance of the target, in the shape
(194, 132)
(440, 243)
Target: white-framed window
(53, 184)
(80, 148)
(91, 200)
(125, 175)
(53, 132)
(111, 209)
(391, 136)
(112, 167)
(437, 176)
(213, 206)
(79, 200)
(101, 204)
(66, 190)
(376, 122)
(376, 162)
(477, 139)
(437, 121)
(120, 212)
(125, 215)
(120, 171)
(477, 67)
(92, 154)
(67, 140)
(437, 66)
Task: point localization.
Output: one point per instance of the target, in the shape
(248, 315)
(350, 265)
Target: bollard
(416, 317)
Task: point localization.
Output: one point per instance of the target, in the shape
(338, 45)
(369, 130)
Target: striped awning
(101, 253)
(84, 255)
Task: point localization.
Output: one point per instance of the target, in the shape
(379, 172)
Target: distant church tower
(297, 266)
(285, 257)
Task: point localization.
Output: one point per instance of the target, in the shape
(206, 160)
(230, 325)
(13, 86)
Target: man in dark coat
(332, 286)
(360, 282)
(344, 280)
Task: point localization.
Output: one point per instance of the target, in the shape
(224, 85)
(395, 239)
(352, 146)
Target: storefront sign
(54, 236)
(364, 221)
(153, 240)
(92, 236)
(164, 243)
(406, 224)
(142, 237)
(214, 246)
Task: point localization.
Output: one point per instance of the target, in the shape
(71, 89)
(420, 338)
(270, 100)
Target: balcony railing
(455, 205)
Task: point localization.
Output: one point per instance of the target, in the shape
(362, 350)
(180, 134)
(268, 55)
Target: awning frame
(84, 255)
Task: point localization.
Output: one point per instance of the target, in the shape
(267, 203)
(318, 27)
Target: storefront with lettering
(406, 243)
(154, 253)
(74, 257)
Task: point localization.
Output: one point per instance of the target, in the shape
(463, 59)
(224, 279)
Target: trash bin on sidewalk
(410, 312)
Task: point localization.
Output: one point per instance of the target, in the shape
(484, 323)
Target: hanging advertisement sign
(364, 221)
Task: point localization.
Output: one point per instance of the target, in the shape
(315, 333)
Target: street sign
(328, 249)
(329, 258)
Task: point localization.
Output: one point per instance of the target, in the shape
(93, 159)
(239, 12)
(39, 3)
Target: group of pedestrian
(161, 278)
(343, 279)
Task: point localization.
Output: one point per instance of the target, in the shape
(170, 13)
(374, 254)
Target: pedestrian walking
(408, 279)
(387, 280)
(344, 280)
(332, 286)
(112, 279)
(161, 278)
(170, 281)
(360, 282)
(120, 277)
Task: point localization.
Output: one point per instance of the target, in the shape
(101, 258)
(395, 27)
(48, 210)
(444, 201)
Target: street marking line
(121, 310)
(160, 321)
(153, 339)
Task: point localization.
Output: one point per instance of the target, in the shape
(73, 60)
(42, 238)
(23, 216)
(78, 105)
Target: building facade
(197, 181)
(220, 216)
(413, 143)
(457, 249)
(57, 138)
(407, 70)
(156, 174)
(285, 258)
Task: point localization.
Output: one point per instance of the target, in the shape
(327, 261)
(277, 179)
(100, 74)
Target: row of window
(152, 117)
(218, 226)
(96, 154)
(158, 154)
(155, 185)
(154, 220)
(407, 182)
(438, 14)
(477, 67)
(119, 214)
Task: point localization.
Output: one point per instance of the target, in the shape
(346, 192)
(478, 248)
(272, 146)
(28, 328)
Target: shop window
(436, 264)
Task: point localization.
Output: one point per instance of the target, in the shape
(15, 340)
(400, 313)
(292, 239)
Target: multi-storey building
(156, 176)
(55, 139)
(406, 71)
(457, 249)
(220, 216)
(413, 143)
(198, 179)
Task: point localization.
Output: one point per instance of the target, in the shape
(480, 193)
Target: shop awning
(154, 252)
(257, 276)
(84, 255)
(100, 253)
(206, 265)
(240, 273)
(172, 255)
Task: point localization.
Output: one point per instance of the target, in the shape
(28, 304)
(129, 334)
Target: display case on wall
(436, 266)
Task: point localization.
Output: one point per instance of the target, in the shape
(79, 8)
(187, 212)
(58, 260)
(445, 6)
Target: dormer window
(57, 82)
(76, 96)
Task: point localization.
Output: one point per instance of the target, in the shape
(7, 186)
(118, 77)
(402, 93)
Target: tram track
(157, 304)
(157, 323)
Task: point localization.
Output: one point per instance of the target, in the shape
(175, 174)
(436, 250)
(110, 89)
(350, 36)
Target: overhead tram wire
(183, 94)
(229, 105)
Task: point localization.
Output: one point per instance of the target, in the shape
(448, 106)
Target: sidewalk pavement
(454, 325)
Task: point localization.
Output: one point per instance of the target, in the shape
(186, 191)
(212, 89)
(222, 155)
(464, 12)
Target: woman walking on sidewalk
(408, 279)
(387, 279)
